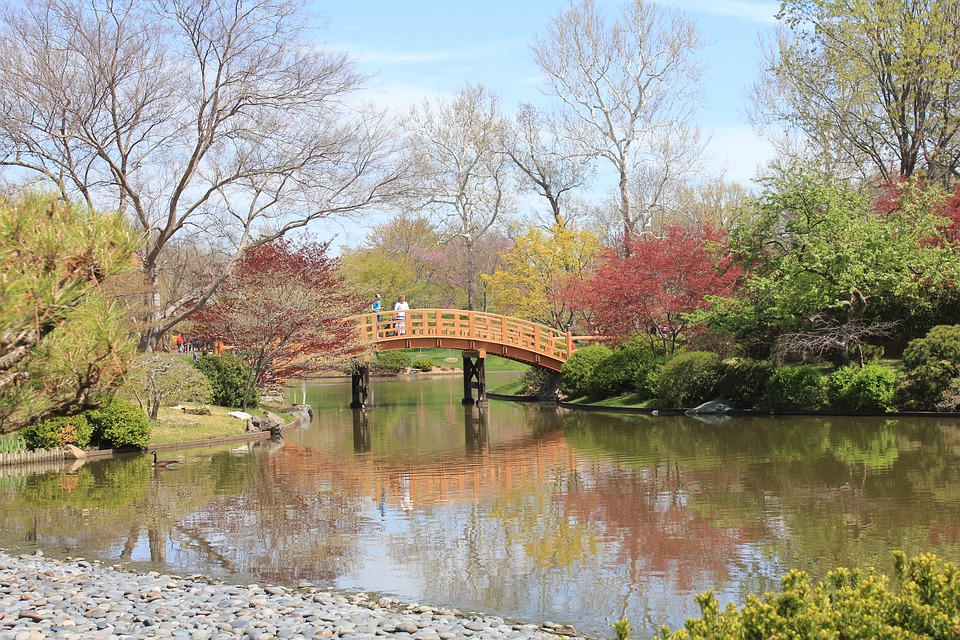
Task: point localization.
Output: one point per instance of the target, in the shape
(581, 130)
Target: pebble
(107, 602)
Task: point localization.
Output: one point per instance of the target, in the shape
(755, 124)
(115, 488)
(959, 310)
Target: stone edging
(674, 411)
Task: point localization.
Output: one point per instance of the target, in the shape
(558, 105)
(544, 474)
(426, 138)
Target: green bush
(862, 390)
(625, 370)
(850, 604)
(929, 364)
(392, 361)
(575, 375)
(744, 381)
(422, 364)
(796, 388)
(57, 432)
(228, 375)
(119, 424)
(689, 379)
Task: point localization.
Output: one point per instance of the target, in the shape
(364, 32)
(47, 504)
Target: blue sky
(418, 49)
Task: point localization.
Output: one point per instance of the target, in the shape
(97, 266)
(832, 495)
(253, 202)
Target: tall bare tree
(625, 87)
(222, 121)
(462, 173)
(549, 164)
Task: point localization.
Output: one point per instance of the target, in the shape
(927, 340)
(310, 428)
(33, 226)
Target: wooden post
(360, 385)
(474, 377)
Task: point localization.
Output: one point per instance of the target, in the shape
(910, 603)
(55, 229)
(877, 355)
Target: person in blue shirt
(376, 306)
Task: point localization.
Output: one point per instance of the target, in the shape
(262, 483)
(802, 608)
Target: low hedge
(688, 379)
(796, 388)
(862, 390)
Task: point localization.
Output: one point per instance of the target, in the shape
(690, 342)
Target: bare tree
(828, 335)
(625, 87)
(221, 121)
(547, 161)
(462, 173)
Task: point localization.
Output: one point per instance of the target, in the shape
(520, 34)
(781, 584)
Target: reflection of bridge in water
(474, 333)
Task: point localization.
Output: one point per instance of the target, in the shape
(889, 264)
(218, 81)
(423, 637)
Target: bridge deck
(519, 340)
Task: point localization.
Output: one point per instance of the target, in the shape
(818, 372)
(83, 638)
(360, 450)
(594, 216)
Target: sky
(426, 49)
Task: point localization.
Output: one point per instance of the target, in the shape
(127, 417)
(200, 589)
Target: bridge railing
(469, 325)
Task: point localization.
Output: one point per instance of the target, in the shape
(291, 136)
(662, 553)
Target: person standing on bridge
(401, 307)
(376, 306)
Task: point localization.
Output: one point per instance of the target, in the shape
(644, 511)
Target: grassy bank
(175, 425)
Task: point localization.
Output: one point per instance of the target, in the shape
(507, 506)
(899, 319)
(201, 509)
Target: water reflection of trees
(811, 492)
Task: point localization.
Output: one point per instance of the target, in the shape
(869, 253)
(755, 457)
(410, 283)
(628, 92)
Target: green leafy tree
(817, 254)
(871, 86)
(64, 345)
(156, 379)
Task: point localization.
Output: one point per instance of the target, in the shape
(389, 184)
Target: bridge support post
(360, 385)
(474, 377)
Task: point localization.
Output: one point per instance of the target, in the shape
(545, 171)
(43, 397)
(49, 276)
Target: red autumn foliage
(283, 309)
(651, 286)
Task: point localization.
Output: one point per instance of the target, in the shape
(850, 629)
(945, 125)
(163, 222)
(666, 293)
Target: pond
(521, 510)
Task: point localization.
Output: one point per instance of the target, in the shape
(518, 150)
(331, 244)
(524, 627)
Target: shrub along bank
(927, 379)
(158, 380)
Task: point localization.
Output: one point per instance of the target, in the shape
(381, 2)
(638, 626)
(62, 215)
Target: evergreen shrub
(950, 398)
(119, 424)
(626, 369)
(392, 361)
(228, 375)
(689, 379)
(422, 364)
(575, 375)
(862, 390)
(57, 432)
(796, 388)
(744, 381)
(929, 364)
(850, 604)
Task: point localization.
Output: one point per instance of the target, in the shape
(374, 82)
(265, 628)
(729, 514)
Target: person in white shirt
(401, 318)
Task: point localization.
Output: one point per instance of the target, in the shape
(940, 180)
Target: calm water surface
(529, 512)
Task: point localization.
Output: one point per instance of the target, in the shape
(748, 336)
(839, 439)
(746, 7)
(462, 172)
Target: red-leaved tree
(284, 310)
(651, 287)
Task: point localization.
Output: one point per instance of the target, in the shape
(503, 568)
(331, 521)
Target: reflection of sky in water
(530, 513)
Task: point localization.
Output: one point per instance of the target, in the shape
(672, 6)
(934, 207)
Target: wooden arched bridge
(474, 333)
(507, 337)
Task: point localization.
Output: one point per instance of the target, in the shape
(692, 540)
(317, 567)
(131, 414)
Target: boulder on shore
(267, 422)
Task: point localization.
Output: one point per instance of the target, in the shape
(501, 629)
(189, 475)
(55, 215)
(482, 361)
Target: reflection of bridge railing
(511, 338)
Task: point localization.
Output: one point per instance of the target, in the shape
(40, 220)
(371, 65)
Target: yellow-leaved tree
(530, 280)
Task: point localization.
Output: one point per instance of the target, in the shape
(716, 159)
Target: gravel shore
(75, 599)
